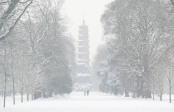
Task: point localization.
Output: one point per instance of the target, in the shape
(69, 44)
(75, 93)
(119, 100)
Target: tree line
(37, 56)
(137, 57)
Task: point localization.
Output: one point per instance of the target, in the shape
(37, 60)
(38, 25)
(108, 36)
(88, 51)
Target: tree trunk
(13, 91)
(153, 91)
(147, 88)
(22, 90)
(13, 77)
(22, 81)
(146, 74)
(5, 76)
(148, 94)
(153, 95)
(5, 84)
(126, 93)
(27, 96)
(170, 92)
(22, 94)
(161, 96)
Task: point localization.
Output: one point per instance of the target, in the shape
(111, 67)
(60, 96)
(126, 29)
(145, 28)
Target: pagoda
(83, 62)
(83, 45)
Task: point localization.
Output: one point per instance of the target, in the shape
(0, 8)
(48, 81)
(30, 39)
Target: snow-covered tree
(11, 12)
(40, 54)
(139, 34)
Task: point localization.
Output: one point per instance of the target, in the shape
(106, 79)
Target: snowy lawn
(96, 102)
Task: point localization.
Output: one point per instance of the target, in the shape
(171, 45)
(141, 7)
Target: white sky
(93, 9)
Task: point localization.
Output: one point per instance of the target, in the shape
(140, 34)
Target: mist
(86, 55)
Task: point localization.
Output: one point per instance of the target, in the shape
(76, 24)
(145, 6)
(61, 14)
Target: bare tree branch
(8, 12)
(172, 2)
(24, 2)
(3, 2)
(7, 34)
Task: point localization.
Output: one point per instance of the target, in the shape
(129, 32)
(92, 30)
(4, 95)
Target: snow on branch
(172, 2)
(5, 16)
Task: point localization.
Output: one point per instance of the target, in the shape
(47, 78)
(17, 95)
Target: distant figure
(84, 93)
(87, 92)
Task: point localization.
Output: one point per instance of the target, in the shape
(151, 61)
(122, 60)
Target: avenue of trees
(37, 56)
(137, 57)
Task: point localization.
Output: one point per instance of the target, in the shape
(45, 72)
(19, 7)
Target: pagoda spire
(83, 19)
(83, 44)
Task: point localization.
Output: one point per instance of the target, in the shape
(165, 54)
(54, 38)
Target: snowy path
(96, 102)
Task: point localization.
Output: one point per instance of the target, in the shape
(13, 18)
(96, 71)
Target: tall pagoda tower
(83, 45)
(83, 77)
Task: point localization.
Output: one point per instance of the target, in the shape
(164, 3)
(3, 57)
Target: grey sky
(93, 10)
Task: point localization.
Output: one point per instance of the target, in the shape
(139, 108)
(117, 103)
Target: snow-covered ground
(96, 102)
